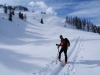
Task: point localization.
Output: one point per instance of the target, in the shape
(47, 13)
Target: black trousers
(65, 53)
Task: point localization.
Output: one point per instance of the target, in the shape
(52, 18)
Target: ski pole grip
(56, 44)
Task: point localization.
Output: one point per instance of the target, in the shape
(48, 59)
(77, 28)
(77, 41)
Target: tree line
(82, 24)
(19, 7)
(10, 10)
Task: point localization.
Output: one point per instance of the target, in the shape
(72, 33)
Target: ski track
(60, 67)
(69, 69)
(55, 68)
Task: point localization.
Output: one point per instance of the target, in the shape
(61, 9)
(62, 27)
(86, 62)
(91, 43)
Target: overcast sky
(86, 9)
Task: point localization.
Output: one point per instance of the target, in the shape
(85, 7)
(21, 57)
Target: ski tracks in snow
(69, 69)
(55, 68)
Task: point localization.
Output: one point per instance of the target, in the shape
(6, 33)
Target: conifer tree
(41, 21)
(5, 9)
(19, 14)
(22, 16)
(10, 16)
(13, 12)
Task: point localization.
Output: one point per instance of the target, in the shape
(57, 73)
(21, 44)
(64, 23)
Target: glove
(57, 45)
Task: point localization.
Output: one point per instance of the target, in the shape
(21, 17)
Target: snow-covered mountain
(28, 47)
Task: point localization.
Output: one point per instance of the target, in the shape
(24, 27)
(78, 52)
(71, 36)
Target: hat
(61, 36)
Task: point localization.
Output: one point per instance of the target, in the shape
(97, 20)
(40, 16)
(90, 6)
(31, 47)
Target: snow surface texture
(28, 47)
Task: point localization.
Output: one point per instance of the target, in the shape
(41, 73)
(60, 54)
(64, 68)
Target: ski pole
(58, 49)
(57, 54)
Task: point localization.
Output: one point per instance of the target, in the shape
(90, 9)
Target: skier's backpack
(67, 41)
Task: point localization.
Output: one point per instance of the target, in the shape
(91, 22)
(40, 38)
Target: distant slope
(17, 27)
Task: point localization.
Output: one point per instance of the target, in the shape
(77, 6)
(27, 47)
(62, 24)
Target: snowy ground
(28, 48)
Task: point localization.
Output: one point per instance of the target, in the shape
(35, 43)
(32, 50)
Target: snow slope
(28, 48)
